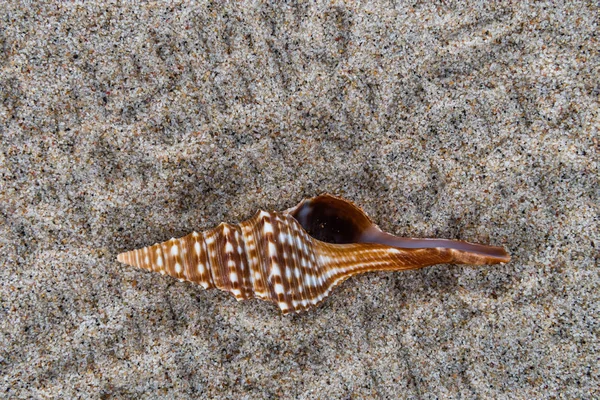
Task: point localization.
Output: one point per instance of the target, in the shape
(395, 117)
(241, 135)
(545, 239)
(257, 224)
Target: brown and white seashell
(296, 257)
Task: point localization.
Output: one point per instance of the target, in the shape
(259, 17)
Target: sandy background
(122, 126)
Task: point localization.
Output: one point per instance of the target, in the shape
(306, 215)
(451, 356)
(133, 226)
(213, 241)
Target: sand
(125, 125)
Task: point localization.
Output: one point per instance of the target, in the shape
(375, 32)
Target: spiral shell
(296, 257)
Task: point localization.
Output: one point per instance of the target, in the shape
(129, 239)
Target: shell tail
(459, 252)
(150, 258)
(124, 258)
(345, 260)
(184, 258)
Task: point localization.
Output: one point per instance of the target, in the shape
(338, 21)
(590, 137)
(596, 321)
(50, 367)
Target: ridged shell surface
(269, 257)
(273, 258)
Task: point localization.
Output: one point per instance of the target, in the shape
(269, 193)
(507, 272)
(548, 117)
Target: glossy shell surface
(296, 257)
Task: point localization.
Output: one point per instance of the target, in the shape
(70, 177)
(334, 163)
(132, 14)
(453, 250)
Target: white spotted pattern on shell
(296, 257)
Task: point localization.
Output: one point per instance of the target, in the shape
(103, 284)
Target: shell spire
(296, 257)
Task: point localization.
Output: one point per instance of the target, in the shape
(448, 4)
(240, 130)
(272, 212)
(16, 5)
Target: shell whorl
(272, 256)
(269, 257)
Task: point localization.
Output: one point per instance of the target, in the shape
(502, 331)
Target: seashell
(296, 257)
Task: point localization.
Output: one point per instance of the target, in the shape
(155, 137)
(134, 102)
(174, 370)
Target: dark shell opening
(333, 220)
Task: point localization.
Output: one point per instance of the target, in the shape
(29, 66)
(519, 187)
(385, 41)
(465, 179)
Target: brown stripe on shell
(260, 265)
(187, 244)
(292, 282)
(272, 256)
